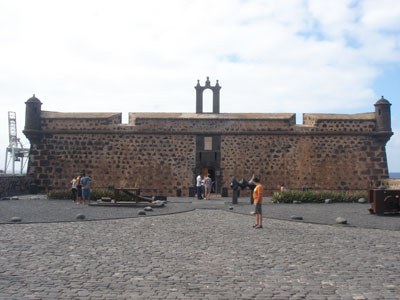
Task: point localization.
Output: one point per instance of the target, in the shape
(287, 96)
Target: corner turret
(32, 113)
(382, 115)
(32, 119)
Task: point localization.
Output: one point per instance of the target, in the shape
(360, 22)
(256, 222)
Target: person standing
(198, 187)
(85, 181)
(257, 196)
(74, 189)
(203, 189)
(208, 186)
(79, 189)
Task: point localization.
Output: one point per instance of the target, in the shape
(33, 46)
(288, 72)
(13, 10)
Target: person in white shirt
(74, 188)
(198, 187)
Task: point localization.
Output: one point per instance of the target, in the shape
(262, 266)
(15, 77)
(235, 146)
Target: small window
(208, 143)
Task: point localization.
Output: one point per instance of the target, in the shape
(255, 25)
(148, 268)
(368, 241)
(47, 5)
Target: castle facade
(164, 152)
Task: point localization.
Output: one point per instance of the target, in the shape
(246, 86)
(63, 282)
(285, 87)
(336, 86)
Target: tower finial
(208, 82)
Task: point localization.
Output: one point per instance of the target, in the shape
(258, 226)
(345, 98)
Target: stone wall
(341, 123)
(79, 121)
(15, 185)
(212, 122)
(392, 183)
(160, 164)
(331, 162)
(158, 151)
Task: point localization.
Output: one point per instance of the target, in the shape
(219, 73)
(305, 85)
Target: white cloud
(284, 56)
(393, 147)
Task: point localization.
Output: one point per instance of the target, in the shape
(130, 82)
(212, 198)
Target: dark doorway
(211, 171)
(208, 159)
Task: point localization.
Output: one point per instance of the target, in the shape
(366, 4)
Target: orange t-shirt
(257, 192)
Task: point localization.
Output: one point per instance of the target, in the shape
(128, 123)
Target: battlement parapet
(365, 122)
(186, 122)
(79, 121)
(219, 123)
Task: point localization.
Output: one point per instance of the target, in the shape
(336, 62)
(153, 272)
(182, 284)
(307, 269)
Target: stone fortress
(162, 153)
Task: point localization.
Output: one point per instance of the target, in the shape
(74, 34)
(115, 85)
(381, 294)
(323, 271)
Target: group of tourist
(81, 188)
(204, 187)
(81, 192)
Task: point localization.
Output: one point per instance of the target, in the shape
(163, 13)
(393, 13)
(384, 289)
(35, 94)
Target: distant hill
(394, 175)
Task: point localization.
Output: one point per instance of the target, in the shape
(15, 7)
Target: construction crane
(15, 151)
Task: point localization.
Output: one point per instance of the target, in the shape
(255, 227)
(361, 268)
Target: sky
(286, 56)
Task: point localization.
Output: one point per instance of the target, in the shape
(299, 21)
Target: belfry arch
(199, 96)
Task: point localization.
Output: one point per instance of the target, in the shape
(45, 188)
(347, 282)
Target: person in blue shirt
(85, 181)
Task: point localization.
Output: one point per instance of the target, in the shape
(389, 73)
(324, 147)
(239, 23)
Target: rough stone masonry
(164, 152)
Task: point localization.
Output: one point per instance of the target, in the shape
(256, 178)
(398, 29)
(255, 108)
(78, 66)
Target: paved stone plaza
(198, 254)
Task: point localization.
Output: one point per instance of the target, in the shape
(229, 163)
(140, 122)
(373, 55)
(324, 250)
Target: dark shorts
(86, 193)
(258, 209)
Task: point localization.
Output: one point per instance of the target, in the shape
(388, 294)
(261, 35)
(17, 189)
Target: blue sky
(388, 85)
(299, 56)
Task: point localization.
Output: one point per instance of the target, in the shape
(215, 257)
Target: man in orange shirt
(257, 196)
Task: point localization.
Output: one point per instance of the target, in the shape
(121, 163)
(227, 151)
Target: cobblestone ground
(203, 254)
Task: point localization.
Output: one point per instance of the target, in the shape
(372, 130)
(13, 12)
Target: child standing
(257, 196)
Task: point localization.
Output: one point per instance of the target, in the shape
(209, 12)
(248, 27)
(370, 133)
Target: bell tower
(199, 96)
